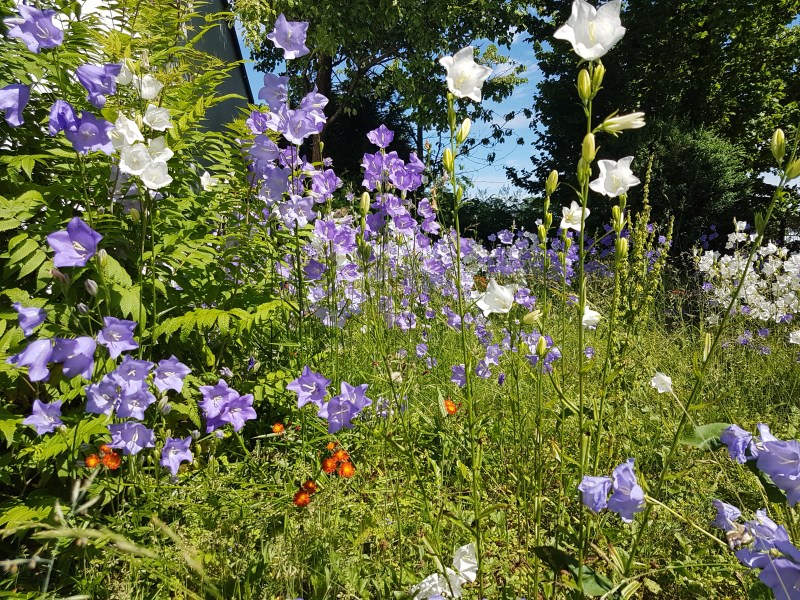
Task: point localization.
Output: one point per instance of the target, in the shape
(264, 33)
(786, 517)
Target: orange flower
(112, 460)
(92, 461)
(331, 446)
(329, 465)
(341, 455)
(347, 470)
(278, 428)
(450, 406)
(301, 498)
(310, 486)
(105, 448)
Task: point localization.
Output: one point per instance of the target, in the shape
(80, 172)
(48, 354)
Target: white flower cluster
(771, 290)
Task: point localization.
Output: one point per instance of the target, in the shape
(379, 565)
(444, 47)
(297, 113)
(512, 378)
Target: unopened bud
(778, 145)
(588, 150)
(463, 131)
(541, 347)
(793, 170)
(448, 161)
(584, 85)
(617, 218)
(532, 317)
(459, 194)
(82, 308)
(542, 233)
(102, 258)
(62, 277)
(91, 286)
(552, 183)
(135, 215)
(364, 204)
(597, 77)
(622, 247)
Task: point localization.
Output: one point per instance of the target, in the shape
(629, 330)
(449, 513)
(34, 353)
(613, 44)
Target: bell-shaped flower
(594, 492)
(75, 355)
(44, 418)
(176, 451)
(592, 32)
(99, 81)
(117, 335)
(74, 246)
(661, 382)
(381, 137)
(590, 318)
(126, 132)
(88, 133)
(238, 410)
(498, 298)
(157, 118)
(13, 99)
(309, 387)
(628, 496)
(289, 36)
(275, 91)
(169, 374)
(35, 28)
(156, 176)
(131, 437)
(465, 77)
(35, 356)
(148, 87)
(618, 123)
(29, 318)
(62, 117)
(571, 216)
(616, 177)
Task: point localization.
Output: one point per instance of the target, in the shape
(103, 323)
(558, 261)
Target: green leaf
(705, 437)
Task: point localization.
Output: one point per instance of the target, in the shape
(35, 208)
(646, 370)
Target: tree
(727, 70)
(387, 50)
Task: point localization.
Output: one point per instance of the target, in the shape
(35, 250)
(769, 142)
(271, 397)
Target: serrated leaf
(705, 437)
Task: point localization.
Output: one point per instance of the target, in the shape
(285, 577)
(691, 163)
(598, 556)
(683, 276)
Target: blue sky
(487, 178)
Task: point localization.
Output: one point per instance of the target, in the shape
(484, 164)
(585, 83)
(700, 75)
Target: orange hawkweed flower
(278, 428)
(310, 486)
(112, 460)
(105, 448)
(341, 455)
(301, 498)
(347, 470)
(92, 461)
(329, 465)
(450, 406)
(331, 446)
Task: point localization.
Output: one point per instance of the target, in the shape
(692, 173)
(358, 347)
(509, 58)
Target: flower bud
(364, 204)
(463, 131)
(448, 161)
(102, 258)
(622, 247)
(532, 317)
(778, 145)
(542, 233)
(584, 85)
(82, 308)
(584, 170)
(459, 194)
(588, 149)
(91, 286)
(552, 183)
(541, 347)
(614, 125)
(597, 77)
(793, 170)
(62, 277)
(135, 215)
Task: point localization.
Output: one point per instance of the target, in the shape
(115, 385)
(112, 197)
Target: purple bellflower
(91, 134)
(238, 411)
(75, 355)
(170, 374)
(289, 36)
(35, 357)
(627, 497)
(75, 245)
(726, 515)
(62, 117)
(131, 437)
(45, 418)
(35, 28)
(29, 318)
(117, 336)
(133, 403)
(309, 387)
(781, 461)
(594, 492)
(341, 409)
(275, 91)
(176, 451)
(131, 373)
(737, 440)
(102, 397)
(381, 137)
(99, 81)
(13, 99)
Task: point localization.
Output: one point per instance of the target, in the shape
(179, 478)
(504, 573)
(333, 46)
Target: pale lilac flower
(117, 336)
(102, 397)
(169, 374)
(726, 515)
(132, 404)
(238, 410)
(176, 451)
(35, 356)
(74, 246)
(13, 99)
(62, 117)
(627, 497)
(90, 134)
(737, 440)
(594, 492)
(309, 387)
(131, 437)
(459, 376)
(99, 81)
(35, 28)
(275, 91)
(29, 318)
(381, 137)
(75, 355)
(44, 418)
(289, 36)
